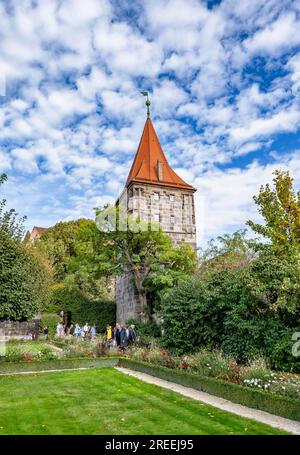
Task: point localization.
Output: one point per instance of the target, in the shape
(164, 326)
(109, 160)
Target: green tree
(280, 208)
(144, 250)
(227, 252)
(25, 274)
(58, 242)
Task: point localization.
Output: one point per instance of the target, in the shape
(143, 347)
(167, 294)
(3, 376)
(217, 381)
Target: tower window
(172, 198)
(172, 219)
(156, 196)
(156, 217)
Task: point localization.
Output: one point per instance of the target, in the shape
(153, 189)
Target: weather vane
(147, 103)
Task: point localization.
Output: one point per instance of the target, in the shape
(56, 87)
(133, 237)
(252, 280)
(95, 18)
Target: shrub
(25, 279)
(209, 363)
(231, 310)
(148, 329)
(29, 351)
(192, 317)
(81, 308)
(50, 320)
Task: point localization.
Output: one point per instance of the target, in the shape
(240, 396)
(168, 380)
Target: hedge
(257, 399)
(64, 364)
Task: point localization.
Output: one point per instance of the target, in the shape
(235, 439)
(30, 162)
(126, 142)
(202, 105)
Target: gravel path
(261, 416)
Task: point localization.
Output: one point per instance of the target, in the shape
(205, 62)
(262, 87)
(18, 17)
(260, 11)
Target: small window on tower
(172, 198)
(156, 196)
(156, 217)
(172, 219)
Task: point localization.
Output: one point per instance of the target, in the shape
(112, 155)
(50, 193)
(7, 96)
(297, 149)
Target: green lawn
(105, 401)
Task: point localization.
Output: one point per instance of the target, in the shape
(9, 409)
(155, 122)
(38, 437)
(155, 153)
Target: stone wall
(126, 298)
(16, 329)
(174, 210)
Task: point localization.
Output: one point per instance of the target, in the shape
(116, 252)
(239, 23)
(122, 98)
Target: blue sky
(224, 79)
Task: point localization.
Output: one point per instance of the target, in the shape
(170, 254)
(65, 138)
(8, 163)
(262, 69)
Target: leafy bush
(29, 351)
(192, 317)
(50, 320)
(147, 329)
(81, 308)
(25, 280)
(233, 310)
(280, 353)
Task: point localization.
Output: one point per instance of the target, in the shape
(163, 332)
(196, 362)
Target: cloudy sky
(224, 79)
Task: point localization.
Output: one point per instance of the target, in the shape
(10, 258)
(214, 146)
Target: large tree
(132, 245)
(25, 274)
(280, 209)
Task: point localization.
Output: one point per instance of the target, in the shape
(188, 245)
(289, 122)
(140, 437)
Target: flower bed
(216, 365)
(32, 351)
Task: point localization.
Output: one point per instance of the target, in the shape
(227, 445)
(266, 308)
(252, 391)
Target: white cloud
(280, 35)
(73, 115)
(283, 121)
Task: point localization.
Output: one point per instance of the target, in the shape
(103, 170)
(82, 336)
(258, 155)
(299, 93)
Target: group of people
(119, 337)
(87, 331)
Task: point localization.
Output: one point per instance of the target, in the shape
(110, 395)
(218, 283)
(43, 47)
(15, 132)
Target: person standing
(77, 330)
(86, 330)
(109, 336)
(132, 335)
(123, 338)
(117, 334)
(93, 331)
(46, 332)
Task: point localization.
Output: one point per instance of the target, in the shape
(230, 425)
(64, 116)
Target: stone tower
(154, 192)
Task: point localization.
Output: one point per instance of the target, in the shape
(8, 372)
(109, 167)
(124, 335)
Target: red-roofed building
(35, 234)
(154, 192)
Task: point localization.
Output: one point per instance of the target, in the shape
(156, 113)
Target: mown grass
(105, 401)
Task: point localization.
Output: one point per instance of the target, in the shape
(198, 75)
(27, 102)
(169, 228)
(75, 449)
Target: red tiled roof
(39, 230)
(145, 167)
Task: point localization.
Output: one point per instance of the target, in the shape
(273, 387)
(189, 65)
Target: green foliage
(25, 280)
(143, 249)
(280, 208)
(50, 320)
(58, 242)
(227, 252)
(25, 275)
(147, 329)
(193, 315)
(82, 308)
(246, 308)
(29, 351)
(56, 364)
(177, 265)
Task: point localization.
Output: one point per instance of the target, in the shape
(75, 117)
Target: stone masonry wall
(16, 329)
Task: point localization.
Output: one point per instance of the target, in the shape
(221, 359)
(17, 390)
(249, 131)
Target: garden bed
(253, 398)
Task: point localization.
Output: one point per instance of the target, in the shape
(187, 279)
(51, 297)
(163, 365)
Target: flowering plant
(232, 372)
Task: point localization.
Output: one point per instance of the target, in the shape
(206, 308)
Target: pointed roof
(150, 164)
